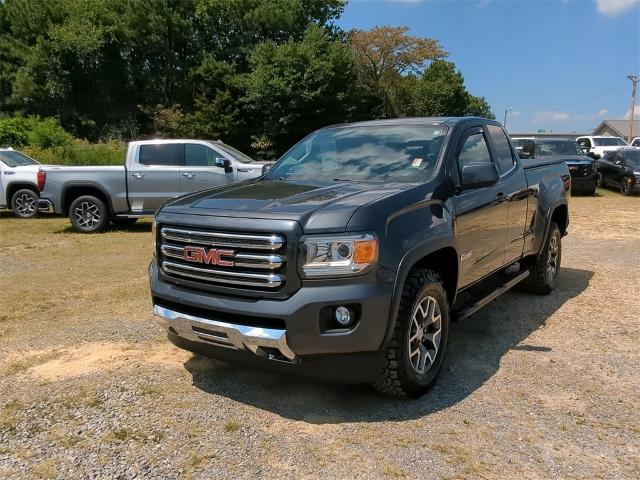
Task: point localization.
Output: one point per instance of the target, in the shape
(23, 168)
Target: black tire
(124, 221)
(24, 203)
(601, 181)
(88, 214)
(399, 376)
(542, 280)
(625, 186)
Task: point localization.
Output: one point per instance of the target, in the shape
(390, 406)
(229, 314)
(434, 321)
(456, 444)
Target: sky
(558, 65)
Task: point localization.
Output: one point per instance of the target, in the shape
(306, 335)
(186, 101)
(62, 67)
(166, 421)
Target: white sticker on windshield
(416, 162)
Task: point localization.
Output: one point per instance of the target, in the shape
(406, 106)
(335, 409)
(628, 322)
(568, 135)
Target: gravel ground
(533, 387)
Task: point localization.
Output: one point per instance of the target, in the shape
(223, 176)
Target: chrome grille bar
(247, 260)
(268, 280)
(236, 240)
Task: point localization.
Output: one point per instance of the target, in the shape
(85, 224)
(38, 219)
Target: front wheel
(625, 186)
(88, 214)
(24, 203)
(417, 348)
(600, 181)
(545, 268)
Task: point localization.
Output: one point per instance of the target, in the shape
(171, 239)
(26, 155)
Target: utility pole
(506, 110)
(634, 80)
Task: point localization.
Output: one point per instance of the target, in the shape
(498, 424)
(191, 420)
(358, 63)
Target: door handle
(500, 198)
(137, 174)
(189, 174)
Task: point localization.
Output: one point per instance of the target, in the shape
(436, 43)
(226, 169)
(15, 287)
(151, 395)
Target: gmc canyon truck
(154, 171)
(350, 257)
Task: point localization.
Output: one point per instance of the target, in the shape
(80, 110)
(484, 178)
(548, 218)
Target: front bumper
(584, 183)
(218, 326)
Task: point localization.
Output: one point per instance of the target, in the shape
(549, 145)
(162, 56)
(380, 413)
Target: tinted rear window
(16, 159)
(166, 154)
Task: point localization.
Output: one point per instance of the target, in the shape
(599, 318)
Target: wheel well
(72, 193)
(14, 187)
(445, 263)
(561, 216)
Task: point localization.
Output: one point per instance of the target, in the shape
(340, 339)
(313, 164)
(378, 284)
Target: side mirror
(478, 175)
(224, 163)
(591, 155)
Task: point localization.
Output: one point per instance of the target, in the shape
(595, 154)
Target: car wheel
(600, 181)
(544, 270)
(417, 347)
(123, 222)
(88, 214)
(625, 186)
(24, 203)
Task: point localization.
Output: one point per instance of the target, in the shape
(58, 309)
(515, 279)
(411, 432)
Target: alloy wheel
(25, 205)
(425, 333)
(552, 259)
(87, 214)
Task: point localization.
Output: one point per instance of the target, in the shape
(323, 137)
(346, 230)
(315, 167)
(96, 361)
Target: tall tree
(385, 54)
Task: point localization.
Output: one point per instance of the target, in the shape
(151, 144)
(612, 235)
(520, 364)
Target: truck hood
(316, 205)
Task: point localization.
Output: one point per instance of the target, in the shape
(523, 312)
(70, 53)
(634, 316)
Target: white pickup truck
(154, 171)
(596, 146)
(19, 180)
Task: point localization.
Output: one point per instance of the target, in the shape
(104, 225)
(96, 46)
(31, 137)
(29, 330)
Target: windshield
(549, 149)
(632, 158)
(237, 154)
(11, 158)
(394, 153)
(609, 142)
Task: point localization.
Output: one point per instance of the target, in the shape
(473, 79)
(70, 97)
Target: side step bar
(467, 312)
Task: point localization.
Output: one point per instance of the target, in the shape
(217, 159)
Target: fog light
(343, 316)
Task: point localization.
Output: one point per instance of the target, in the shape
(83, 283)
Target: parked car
(584, 175)
(520, 142)
(19, 181)
(635, 142)
(350, 257)
(154, 171)
(621, 169)
(596, 147)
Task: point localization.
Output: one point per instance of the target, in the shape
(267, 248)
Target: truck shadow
(476, 347)
(138, 227)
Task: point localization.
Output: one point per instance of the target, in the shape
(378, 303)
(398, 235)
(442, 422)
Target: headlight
(339, 255)
(153, 234)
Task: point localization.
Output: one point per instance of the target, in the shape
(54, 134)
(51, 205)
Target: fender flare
(85, 184)
(410, 258)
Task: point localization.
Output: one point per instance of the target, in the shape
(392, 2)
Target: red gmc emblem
(212, 256)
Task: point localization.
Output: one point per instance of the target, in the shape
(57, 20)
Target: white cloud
(636, 113)
(613, 8)
(546, 116)
(602, 112)
(591, 116)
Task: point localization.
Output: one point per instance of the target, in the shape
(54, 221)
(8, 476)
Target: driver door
(481, 214)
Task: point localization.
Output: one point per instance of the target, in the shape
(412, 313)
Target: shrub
(32, 131)
(80, 152)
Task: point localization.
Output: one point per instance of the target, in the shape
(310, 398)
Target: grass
(394, 471)
(24, 364)
(80, 152)
(232, 426)
(45, 469)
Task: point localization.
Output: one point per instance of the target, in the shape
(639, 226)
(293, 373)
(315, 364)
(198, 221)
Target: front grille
(223, 258)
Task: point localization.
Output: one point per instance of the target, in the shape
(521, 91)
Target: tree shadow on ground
(476, 347)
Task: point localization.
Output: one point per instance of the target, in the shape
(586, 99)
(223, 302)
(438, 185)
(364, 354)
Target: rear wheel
(625, 186)
(417, 348)
(545, 268)
(24, 203)
(88, 214)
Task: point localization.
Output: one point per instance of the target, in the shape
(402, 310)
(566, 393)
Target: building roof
(621, 127)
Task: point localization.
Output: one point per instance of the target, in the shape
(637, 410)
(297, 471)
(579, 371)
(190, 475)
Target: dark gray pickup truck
(350, 257)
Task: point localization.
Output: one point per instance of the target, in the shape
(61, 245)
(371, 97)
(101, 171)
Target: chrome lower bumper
(45, 206)
(264, 342)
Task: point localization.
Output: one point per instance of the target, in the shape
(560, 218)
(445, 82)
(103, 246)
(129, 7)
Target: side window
(503, 155)
(196, 155)
(163, 154)
(474, 150)
(636, 143)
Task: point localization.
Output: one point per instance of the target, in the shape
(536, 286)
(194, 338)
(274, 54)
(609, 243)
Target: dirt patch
(59, 364)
